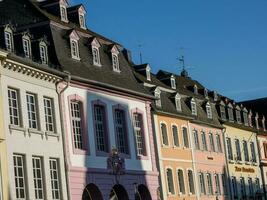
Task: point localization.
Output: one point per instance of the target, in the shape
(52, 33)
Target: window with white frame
(139, 133)
(263, 123)
(195, 89)
(120, 131)
(238, 116)
(193, 107)
(185, 137)
(257, 120)
(209, 111)
(234, 186)
(148, 73)
(100, 128)
(212, 146)
(164, 134)
(243, 187)
(77, 124)
(201, 180)
(49, 114)
(250, 118)
(238, 150)
(63, 13)
(245, 149)
(173, 82)
(229, 148)
(157, 93)
(181, 181)
(74, 49)
(191, 184)
(55, 178)
(96, 56)
(82, 21)
(43, 53)
(14, 110)
(9, 39)
(245, 117)
(206, 93)
(230, 114)
(217, 184)
(224, 184)
(32, 110)
(176, 141)
(196, 139)
(19, 172)
(115, 62)
(170, 181)
(38, 177)
(209, 183)
(222, 111)
(204, 141)
(178, 102)
(253, 152)
(26, 46)
(218, 142)
(250, 187)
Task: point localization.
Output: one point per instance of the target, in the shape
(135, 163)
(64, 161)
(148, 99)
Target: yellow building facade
(4, 190)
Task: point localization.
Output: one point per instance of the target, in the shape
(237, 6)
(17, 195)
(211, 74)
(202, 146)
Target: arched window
(43, 53)
(173, 82)
(193, 107)
(238, 115)
(181, 181)
(9, 42)
(178, 102)
(148, 73)
(26, 41)
(164, 134)
(209, 183)
(157, 93)
(245, 116)
(204, 141)
(170, 181)
(191, 182)
(95, 52)
(74, 49)
(115, 63)
(196, 139)
(175, 136)
(230, 112)
(63, 11)
(185, 137)
(208, 110)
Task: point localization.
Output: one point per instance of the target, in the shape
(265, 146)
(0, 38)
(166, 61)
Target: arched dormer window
(250, 119)
(209, 110)
(148, 73)
(63, 11)
(193, 106)
(222, 110)
(9, 41)
(157, 93)
(173, 82)
(43, 52)
(238, 115)
(215, 96)
(178, 102)
(245, 116)
(95, 52)
(230, 112)
(206, 94)
(115, 59)
(74, 45)
(26, 41)
(82, 20)
(263, 123)
(195, 89)
(257, 120)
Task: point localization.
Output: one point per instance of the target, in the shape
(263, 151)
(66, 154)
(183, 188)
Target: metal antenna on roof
(181, 59)
(140, 53)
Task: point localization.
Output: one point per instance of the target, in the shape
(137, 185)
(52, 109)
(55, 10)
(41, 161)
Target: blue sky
(224, 41)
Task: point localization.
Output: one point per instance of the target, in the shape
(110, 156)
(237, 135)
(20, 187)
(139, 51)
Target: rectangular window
(43, 54)
(218, 185)
(96, 58)
(63, 12)
(253, 153)
(219, 144)
(138, 130)
(204, 141)
(234, 186)
(49, 114)
(243, 187)
(212, 147)
(245, 116)
(14, 110)
(209, 182)
(185, 137)
(82, 21)
(238, 150)
(202, 183)
(257, 185)
(115, 63)
(26, 48)
(176, 141)
(250, 187)
(32, 111)
(223, 114)
(195, 133)
(120, 131)
(19, 172)
(76, 120)
(191, 182)
(230, 114)
(37, 166)
(100, 130)
(238, 116)
(8, 41)
(55, 179)
(224, 184)
(245, 149)
(229, 148)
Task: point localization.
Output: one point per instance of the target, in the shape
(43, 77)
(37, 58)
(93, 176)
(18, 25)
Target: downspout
(63, 132)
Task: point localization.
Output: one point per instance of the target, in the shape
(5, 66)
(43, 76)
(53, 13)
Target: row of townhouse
(80, 120)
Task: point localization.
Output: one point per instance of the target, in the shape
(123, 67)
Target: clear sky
(224, 41)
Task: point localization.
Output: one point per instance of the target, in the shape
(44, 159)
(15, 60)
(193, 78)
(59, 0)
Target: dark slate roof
(257, 105)
(74, 8)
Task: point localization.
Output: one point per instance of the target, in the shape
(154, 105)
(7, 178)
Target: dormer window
(43, 52)
(257, 121)
(208, 110)
(95, 51)
(82, 20)
(63, 13)
(74, 45)
(238, 115)
(263, 123)
(215, 96)
(157, 93)
(195, 89)
(193, 107)
(148, 73)
(206, 93)
(178, 102)
(26, 41)
(250, 118)
(173, 83)
(9, 39)
(245, 116)
(222, 110)
(115, 59)
(230, 112)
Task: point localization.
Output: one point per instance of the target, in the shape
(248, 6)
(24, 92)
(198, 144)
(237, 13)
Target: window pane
(38, 177)
(139, 137)
(170, 181)
(54, 175)
(164, 134)
(120, 131)
(76, 119)
(185, 137)
(175, 136)
(19, 171)
(99, 118)
(13, 103)
(49, 115)
(32, 111)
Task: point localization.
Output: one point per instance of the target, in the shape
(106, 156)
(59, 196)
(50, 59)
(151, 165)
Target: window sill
(97, 65)
(80, 152)
(17, 128)
(165, 146)
(35, 131)
(51, 134)
(141, 157)
(231, 161)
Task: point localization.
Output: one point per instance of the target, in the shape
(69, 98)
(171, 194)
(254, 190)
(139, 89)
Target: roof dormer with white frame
(63, 10)
(74, 45)
(82, 18)
(115, 58)
(9, 39)
(95, 52)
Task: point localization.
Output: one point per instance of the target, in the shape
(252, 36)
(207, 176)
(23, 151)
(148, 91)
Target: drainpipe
(193, 161)
(63, 132)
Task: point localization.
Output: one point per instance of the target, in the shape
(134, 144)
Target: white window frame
(26, 41)
(217, 184)
(63, 13)
(191, 185)
(245, 116)
(100, 128)
(185, 137)
(230, 113)
(204, 141)
(77, 124)
(234, 186)
(173, 82)
(32, 110)
(38, 181)
(243, 187)
(196, 140)
(14, 105)
(250, 186)
(139, 134)
(120, 131)
(175, 136)
(115, 62)
(238, 116)
(181, 181)
(148, 73)
(178, 102)
(49, 115)
(202, 185)
(229, 148)
(193, 107)
(96, 56)
(171, 188)
(74, 46)
(157, 94)
(82, 20)
(223, 112)
(245, 149)
(238, 150)
(209, 110)
(21, 191)
(209, 184)
(211, 141)
(219, 143)
(253, 152)
(9, 41)
(164, 134)
(43, 53)
(55, 180)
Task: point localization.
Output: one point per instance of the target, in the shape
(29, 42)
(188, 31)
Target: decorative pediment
(157, 90)
(237, 107)
(95, 43)
(177, 96)
(27, 35)
(9, 28)
(230, 105)
(74, 35)
(245, 109)
(115, 50)
(63, 3)
(82, 10)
